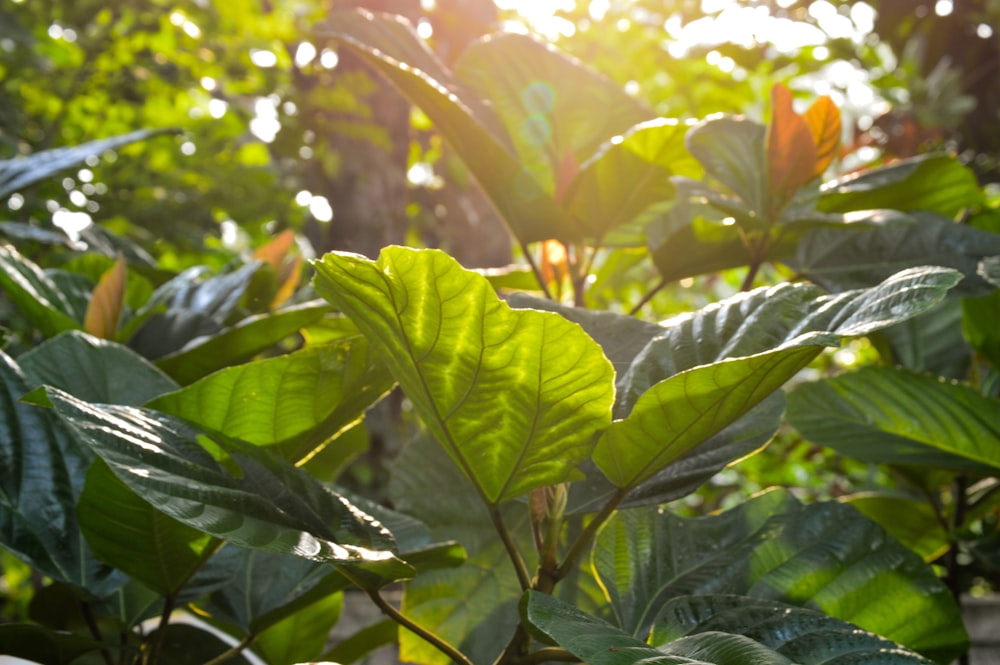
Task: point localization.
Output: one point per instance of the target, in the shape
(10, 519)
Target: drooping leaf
(514, 396)
(888, 242)
(825, 556)
(935, 183)
(105, 308)
(37, 296)
(43, 467)
(887, 415)
(240, 342)
(131, 535)
(16, 174)
(791, 150)
(270, 505)
(628, 174)
(912, 522)
(94, 370)
(394, 49)
(296, 402)
(801, 635)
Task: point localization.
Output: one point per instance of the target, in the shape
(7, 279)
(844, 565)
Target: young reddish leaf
(791, 151)
(555, 263)
(823, 119)
(289, 275)
(105, 308)
(276, 251)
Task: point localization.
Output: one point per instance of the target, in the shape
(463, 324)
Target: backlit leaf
(791, 150)
(823, 119)
(105, 308)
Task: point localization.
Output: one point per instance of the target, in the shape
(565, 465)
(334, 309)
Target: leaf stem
(547, 579)
(649, 296)
(95, 630)
(234, 651)
(534, 268)
(523, 576)
(152, 653)
(418, 630)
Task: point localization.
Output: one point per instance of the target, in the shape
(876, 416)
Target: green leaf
(36, 295)
(352, 649)
(44, 466)
(912, 522)
(628, 174)
(929, 342)
(240, 342)
(43, 645)
(861, 255)
(392, 47)
(16, 174)
(886, 415)
(674, 416)
(936, 183)
(979, 326)
(295, 402)
(270, 505)
(801, 635)
(514, 396)
(129, 534)
(186, 644)
(300, 637)
(94, 370)
(732, 151)
(824, 556)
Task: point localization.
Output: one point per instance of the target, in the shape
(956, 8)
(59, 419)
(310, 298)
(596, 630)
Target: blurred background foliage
(281, 130)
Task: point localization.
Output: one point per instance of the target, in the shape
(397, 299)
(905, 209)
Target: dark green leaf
(825, 556)
(297, 401)
(37, 296)
(42, 645)
(887, 415)
(929, 342)
(94, 370)
(732, 151)
(186, 644)
(914, 523)
(937, 183)
(514, 396)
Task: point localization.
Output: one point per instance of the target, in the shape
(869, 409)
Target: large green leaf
(38, 644)
(473, 606)
(94, 370)
(514, 396)
(930, 342)
(804, 636)
(886, 415)
(825, 556)
(128, 533)
(270, 505)
(16, 174)
(912, 522)
(937, 183)
(889, 241)
(36, 294)
(392, 47)
(240, 342)
(732, 151)
(629, 174)
(296, 402)
(302, 636)
(43, 468)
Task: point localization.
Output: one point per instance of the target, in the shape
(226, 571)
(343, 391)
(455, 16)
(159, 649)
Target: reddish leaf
(105, 307)
(555, 263)
(823, 119)
(276, 251)
(791, 151)
(289, 275)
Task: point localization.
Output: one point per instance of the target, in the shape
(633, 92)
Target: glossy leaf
(296, 401)
(890, 241)
(392, 47)
(16, 174)
(35, 293)
(912, 522)
(270, 505)
(791, 150)
(239, 343)
(159, 551)
(514, 396)
(628, 174)
(935, 183)
(43, 467)
(886, 415)
(94, 370)
(930, 342)
(804, 636)
(824, 556)
(106, 303)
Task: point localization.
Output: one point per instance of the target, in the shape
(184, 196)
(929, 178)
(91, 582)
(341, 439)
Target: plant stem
(152, 653)
(751, 275)
(954, 583)
(234, 651)
(534, 268)
(547, 579)
(523, 576)
(95, 630)
(649, 296)
(418, 630)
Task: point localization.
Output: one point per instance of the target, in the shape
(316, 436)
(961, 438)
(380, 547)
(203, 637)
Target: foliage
(178, 436)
